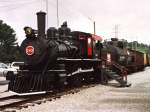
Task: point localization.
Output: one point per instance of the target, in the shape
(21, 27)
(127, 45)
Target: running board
(81, 71)
(28, 94)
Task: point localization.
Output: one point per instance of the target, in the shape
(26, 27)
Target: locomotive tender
(55, 60)
(117, 51)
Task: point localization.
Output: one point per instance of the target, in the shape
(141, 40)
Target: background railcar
(139, 61)
(148, 60)
(116, 51)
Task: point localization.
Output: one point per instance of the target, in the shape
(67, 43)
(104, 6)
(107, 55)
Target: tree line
(139, 46)
(8, 44)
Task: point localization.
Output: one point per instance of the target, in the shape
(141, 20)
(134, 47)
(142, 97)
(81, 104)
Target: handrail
(121, 68)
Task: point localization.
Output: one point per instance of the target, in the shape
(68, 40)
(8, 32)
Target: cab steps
(113, 75)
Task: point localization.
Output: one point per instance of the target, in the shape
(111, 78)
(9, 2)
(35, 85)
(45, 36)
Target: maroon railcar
(148, 59)
(139, 60)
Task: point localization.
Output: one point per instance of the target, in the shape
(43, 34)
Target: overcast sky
(131, 16)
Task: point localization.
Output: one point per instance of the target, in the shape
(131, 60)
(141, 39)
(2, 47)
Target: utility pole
(57, 14)
(57, 11)
(47, 13)
(94, 28)
(93, 24)
(116, 31)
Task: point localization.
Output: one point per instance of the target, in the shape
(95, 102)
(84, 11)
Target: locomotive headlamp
(30, 33)
(28, 30)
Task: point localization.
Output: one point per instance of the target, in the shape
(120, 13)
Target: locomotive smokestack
(41, 23)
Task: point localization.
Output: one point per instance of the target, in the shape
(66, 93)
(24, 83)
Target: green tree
(8, 43)
(148, 51)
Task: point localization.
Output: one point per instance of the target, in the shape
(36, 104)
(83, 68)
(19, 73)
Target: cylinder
(41, 23)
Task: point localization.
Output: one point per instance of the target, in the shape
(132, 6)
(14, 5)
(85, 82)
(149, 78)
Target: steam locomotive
(62, 58)
(55, 60)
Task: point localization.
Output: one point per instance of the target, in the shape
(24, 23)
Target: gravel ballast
(103, 98)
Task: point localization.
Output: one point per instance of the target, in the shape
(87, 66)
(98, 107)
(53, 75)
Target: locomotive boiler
(40, 50)
(54, 60)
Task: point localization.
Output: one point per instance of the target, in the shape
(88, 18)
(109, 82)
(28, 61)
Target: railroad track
(19, 102)
(16, 101)
(11, 101)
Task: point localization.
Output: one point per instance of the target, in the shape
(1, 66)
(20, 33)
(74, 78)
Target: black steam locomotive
(62, 58)
(56, 60)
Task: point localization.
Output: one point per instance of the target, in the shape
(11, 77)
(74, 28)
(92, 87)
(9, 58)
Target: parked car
(15, 65)
(4, 69)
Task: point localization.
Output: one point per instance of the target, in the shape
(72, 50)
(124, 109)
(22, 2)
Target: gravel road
(103, 98)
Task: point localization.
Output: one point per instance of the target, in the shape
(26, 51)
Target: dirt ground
(103, 98)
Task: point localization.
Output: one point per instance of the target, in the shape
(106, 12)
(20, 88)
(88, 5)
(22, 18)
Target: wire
(8, 1)
(14, 7)
(16, 4)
